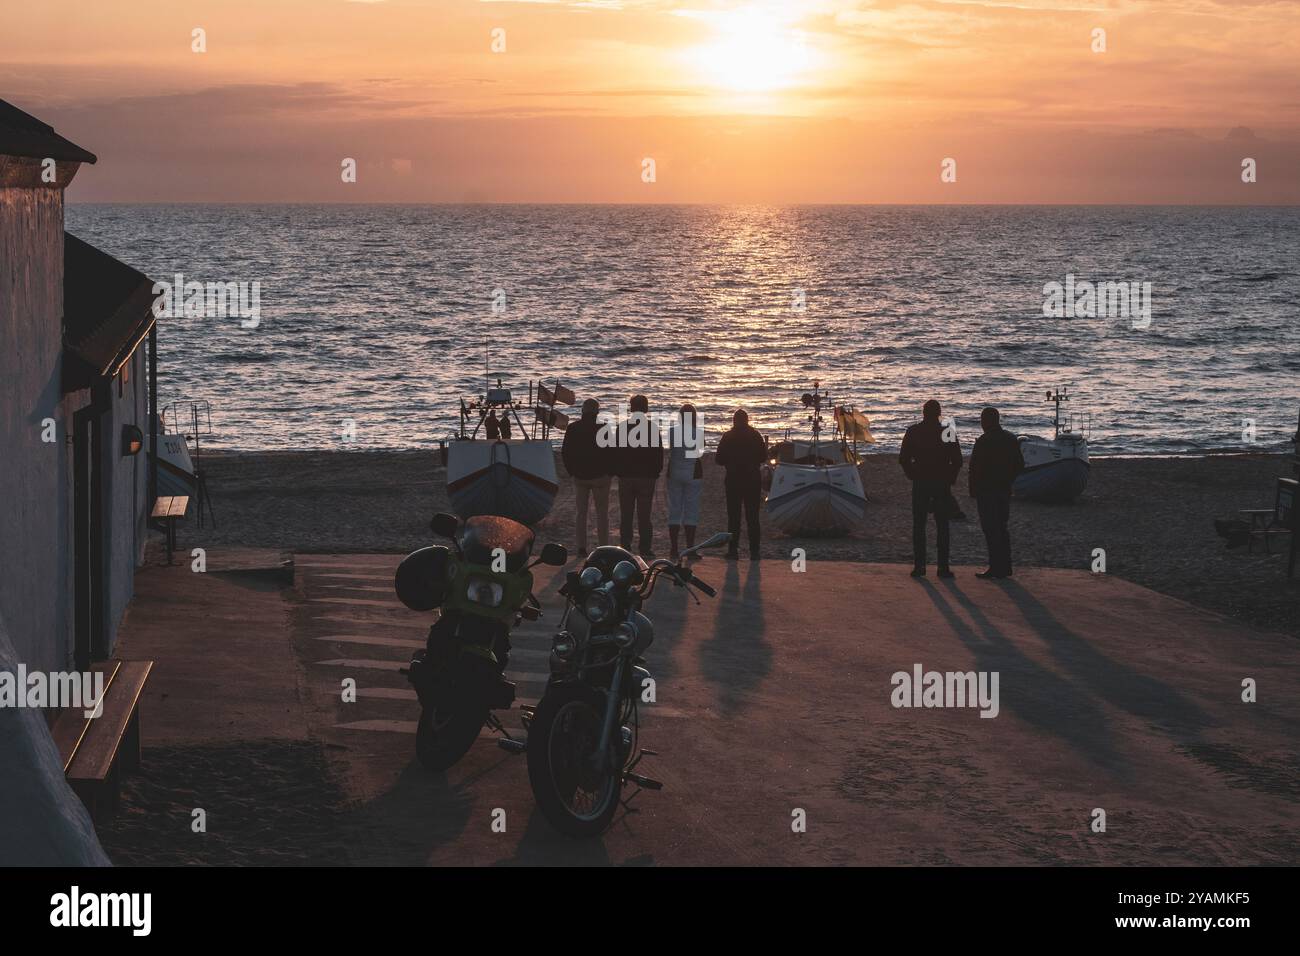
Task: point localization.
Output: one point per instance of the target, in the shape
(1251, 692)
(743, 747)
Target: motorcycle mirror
(445, 525)
(555, 554)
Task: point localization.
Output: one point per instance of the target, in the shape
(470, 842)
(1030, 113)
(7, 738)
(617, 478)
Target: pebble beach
(1154, 518)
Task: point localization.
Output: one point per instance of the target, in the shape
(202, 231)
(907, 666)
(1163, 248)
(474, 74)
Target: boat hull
(816, 500)
(175, 467)
(1055, 471)
(513, 479)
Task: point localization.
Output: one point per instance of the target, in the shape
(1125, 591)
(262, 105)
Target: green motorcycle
(482, 586)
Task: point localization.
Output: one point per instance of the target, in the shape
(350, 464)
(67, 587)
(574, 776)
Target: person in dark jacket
(492, 427)
(504, 423)
(638, 464)
(931, 458)
(742, 451)
(994, 463)
(589, 465)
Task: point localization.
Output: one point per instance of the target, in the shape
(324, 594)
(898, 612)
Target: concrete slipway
(775, 697)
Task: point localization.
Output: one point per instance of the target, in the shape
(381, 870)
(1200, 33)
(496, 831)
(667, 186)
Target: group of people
(594, 466)
(931, 458)
(494, 428)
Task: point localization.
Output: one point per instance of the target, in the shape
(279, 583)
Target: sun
(753, 53)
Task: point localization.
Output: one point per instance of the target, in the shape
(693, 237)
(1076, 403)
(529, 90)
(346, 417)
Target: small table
(169, 509)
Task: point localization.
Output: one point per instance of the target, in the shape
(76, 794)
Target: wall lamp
(132, 440)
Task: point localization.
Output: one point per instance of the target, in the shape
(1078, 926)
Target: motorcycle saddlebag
(421, 578)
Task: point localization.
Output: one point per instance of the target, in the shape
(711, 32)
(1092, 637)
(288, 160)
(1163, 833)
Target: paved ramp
(774, 702)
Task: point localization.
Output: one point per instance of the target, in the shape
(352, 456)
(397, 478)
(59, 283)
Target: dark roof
(22, 134)
(107, 312)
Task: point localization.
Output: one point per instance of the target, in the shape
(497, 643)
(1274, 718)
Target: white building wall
(36, 570)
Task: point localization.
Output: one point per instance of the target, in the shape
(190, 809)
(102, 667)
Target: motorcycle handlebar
(680, 574)
(707, 589)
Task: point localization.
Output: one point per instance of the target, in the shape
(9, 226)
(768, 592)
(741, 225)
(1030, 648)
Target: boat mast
(1060, 395)
(816, 420)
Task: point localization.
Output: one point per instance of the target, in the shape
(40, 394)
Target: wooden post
(153, 414)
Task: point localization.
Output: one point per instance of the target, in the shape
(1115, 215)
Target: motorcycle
(583, 734)
(482, 586)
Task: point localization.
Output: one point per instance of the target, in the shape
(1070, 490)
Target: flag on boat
(854, 425)
(560, 396)
(551, 418)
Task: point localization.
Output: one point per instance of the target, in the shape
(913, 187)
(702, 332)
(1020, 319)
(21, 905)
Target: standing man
(638, 465)
(588, 463)
(994, 463)
(742, 452)
(931, 458)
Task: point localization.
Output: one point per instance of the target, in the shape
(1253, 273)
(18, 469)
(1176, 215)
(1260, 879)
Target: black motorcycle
(482, 585)
(582, 736)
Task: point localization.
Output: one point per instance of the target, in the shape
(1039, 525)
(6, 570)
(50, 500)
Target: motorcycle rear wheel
(577, 800)
(443, 737)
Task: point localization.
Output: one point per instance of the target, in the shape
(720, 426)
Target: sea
(373, 321)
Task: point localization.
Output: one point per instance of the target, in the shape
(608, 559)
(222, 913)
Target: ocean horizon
(372, 318)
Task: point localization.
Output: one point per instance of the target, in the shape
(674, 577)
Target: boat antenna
(1060, 395)
(816, 419)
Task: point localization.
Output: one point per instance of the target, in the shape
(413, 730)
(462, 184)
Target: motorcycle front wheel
(577, 798)
(442, 737)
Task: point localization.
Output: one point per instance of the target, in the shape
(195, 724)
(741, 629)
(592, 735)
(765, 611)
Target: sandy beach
(1153, 516)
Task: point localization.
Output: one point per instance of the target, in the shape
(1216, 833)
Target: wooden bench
(96, 751)
(169, 509)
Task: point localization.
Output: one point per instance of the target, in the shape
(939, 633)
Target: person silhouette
(589, 463)
(994, 463)
(931, 458)
(638, 466)
(742, 451)
(492, 427)
(504, 423)
(685, 478)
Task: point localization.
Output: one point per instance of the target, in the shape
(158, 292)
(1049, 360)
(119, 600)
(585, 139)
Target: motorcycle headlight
(624, 635)
(598, 607)
(483, 591)
(591, 578)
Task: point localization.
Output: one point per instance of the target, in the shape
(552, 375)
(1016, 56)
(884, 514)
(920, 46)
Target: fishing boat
(1056, 470)
(816, 485)
(180, 424)
(514, 476)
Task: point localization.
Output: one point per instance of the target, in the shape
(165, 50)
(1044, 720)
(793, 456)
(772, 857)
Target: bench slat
(95, 755)
(70, 726)
(173, 506)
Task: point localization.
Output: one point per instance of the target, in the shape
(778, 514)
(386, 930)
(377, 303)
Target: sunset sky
(747, 101)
